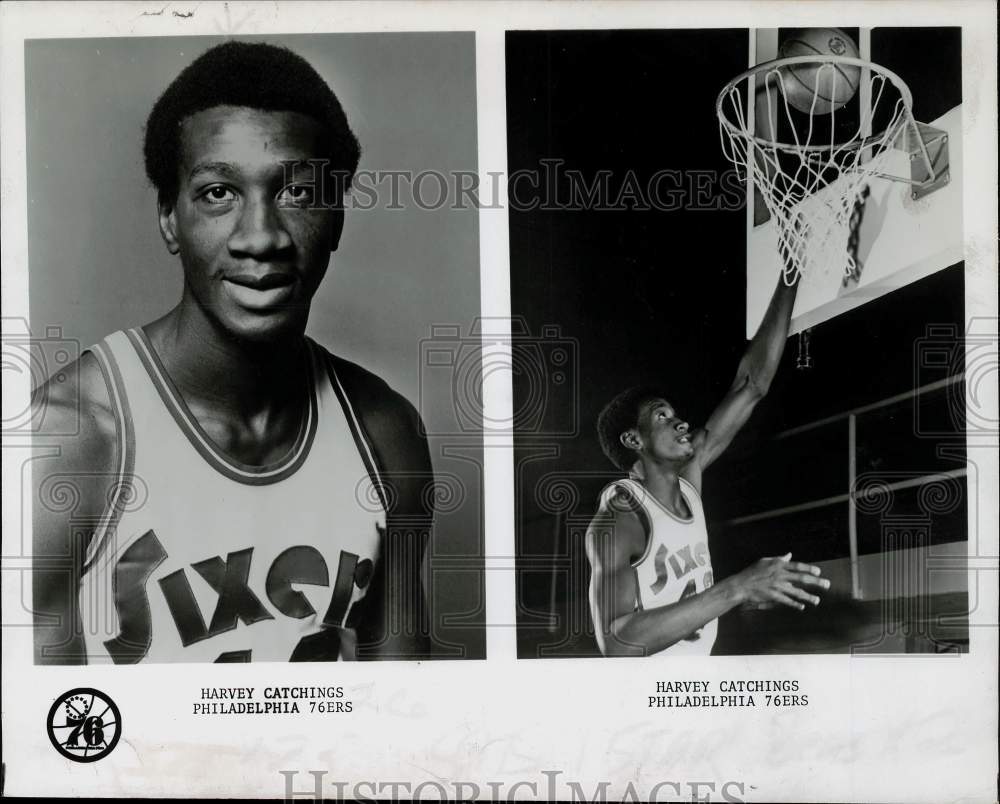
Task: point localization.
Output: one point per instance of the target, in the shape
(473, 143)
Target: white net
(814, 183)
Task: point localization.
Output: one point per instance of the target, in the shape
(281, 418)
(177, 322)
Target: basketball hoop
(819, 156)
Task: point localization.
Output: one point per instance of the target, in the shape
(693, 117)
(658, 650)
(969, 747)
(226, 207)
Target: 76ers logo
(84, 724)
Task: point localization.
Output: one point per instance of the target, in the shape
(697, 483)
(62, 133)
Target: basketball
(832, 84)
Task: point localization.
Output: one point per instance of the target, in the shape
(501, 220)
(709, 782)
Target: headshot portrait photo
(239, 250)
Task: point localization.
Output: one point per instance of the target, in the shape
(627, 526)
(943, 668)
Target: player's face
(663, 435)
(253, 237)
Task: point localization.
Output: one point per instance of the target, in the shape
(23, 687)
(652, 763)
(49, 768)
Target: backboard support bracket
(929, 163)
(927, 147)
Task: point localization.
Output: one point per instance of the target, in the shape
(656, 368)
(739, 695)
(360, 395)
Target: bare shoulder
(388, 418)
(616, 532)
(74, 403)
(75, 430)
(384, 408)
(73, 471)
(394, 432)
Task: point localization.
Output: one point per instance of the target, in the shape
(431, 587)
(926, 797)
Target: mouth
(684, 439)
(260, 293)
(276, 279)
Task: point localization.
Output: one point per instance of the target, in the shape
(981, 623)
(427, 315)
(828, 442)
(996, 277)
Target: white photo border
(916, 728)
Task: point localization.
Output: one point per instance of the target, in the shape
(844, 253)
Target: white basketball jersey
(676, 563)
(202, 559)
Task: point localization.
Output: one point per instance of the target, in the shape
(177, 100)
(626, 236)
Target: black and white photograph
(756, 440)
(476, 400)
(233, 310)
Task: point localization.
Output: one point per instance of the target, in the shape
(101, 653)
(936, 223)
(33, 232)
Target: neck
(211, 367)
(663, 482)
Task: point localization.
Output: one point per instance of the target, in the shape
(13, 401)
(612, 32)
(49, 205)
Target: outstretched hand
(779, 581)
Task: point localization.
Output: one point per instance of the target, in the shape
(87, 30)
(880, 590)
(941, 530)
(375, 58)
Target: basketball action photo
(230, 464)
(751, 266)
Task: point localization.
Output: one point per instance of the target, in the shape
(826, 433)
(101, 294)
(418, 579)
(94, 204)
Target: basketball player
(240, 494)
(651, 589)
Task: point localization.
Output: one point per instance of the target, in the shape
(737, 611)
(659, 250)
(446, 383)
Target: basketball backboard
(904, 234)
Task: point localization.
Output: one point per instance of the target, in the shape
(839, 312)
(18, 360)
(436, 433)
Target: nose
(259, 231)
(681, 427)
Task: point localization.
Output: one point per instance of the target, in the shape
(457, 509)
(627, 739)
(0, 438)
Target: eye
(217, 195)
(297, 195)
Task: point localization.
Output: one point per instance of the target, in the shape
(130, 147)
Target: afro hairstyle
(254, 75)
(619, 415)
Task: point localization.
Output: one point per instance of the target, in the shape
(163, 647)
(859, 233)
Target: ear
(630, 438)
(338, 228)
(168, 224)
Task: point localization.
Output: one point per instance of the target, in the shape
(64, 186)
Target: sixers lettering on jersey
(236, 602)
(221, 561)
(676, 563)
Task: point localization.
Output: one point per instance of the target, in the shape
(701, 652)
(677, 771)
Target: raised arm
(622, 629)
(753, 378)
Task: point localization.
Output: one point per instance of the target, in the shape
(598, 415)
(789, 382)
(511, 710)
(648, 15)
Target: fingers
(806, 575)
(798, 594)
(780, 597)
(759, 606)
(802, 579)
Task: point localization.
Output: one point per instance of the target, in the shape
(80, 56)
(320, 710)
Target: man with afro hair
(651, 589)
(243, 494)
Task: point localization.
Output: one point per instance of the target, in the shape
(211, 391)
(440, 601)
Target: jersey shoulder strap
(627, 496)
(623, 495)
(693, 495)
(393, 435)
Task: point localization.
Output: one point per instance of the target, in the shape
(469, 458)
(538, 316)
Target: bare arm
(394, 620)
(753, 379)
(624, 630)
(71, 480)
(621, 628)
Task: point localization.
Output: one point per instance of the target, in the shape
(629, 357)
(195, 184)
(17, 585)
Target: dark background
(615, 298)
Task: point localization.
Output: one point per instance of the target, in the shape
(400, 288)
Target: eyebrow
(226, 169)
(655, 406)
